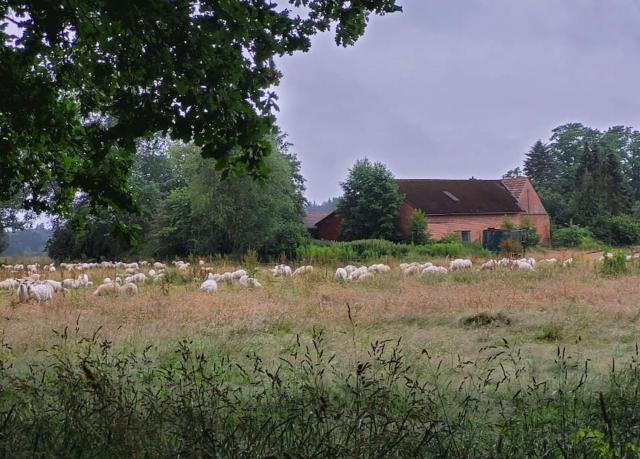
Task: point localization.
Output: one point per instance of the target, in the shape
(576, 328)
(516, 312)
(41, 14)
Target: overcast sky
(454, 89)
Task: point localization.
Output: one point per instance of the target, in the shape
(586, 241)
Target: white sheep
(303, 270)
(341, 274)
(40, 292)
(209, 286)
(23, 293)
(568, 262)
(8, 284)
(460, 263)
(491, 264)
(252, 282)
(411, 270)
(524, 265)
(431, 270)
(57, 286)
(128, 289)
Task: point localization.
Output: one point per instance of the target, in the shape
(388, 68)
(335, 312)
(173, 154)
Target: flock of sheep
(32, 283)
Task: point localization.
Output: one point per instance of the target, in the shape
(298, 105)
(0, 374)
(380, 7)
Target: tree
(539, 165)
(370, 204)
(418, 230)
(83, 81)
(4, 240)
(566, 145)
(513, 173)
(601, 190)
(530, 236)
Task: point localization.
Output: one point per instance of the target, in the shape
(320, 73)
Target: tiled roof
(311, 219)
(469, 197)
(515, 185)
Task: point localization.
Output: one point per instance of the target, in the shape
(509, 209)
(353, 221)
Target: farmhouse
(463, 207)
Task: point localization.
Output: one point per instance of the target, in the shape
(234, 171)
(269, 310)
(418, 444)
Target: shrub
(507, 223)
(530, 237)
(624, 230)
(570, 236)
(511, 247)
(418, 230)
(450, 238)
(612, 266)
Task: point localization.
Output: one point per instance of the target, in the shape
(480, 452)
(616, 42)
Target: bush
(450, 238)
(511, 247)
(570, 236)
(530, 237)
(612, 266)
(624, 230)
(330, 252)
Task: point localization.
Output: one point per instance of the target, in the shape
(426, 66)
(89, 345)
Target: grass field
(464, 332)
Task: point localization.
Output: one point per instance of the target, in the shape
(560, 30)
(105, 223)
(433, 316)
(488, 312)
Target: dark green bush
(624, 230)
(570, 236)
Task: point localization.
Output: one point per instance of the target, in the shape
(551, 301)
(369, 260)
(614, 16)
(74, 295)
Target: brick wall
(440, 225)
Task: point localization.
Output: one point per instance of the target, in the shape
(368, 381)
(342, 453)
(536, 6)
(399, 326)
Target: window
(451, 196)
(465, 236)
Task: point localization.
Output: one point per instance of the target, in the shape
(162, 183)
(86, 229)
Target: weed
(484, 319)
(551, 333)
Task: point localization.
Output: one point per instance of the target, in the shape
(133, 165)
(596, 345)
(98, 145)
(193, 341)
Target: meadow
(497, 363)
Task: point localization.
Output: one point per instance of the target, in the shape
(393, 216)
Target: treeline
(186, 207)
(26, 242)
(589, 182)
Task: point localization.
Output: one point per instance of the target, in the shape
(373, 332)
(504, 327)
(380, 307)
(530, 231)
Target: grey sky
(455, 89)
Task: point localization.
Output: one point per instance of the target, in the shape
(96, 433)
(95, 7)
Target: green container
(492, 237)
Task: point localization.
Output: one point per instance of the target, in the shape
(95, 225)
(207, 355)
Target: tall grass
(88, 400)
(322, 252)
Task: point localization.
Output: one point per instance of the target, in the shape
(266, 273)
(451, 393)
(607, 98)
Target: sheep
(23, 293)
(411, 270)
(551, 261)
(252, 282)
(107, 280)
(341, 274)
(152, 273)
(8, 284)
(69, 283)
(83, 280)
(209, 286)
(239, 274)
(303, 270)
(40, 292)
(460, 263)
(357, 273)
(379, 268)
(431, 270)
(57, 286)
(524, 265)
(364, 277)
(158, 265)
(128, 289)
(568, 262)
(281, 270)
(139, 278)
(491, 264)
(106, 289)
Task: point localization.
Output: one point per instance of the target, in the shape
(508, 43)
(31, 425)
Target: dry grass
(593, 317)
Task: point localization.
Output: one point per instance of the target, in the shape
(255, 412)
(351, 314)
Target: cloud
(459, 88)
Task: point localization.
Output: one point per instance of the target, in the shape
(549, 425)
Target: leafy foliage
(570, 236)
(539, 165)
(418, 229)
(187, 207)
(588, 177)
(624, 230)
(370, 204)
(83, 81)
(530, 236)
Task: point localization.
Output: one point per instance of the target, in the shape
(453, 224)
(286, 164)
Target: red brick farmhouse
(463, 207)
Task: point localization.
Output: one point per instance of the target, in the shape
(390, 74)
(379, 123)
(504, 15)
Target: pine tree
(539, 165)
